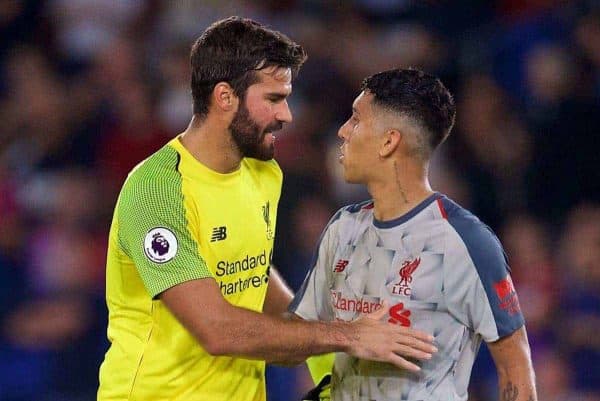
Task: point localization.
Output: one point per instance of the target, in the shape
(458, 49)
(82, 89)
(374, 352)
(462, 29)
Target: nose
(284, 114)
(342, 131)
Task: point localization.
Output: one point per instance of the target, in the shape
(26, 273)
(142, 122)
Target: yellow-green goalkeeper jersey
(177, 220)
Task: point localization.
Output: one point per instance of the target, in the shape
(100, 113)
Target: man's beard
(248, 136)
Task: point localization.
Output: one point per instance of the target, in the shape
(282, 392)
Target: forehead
(277, 79)
(363, 103)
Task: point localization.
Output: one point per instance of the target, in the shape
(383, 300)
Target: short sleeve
(154, 230)
(477, 285)
(312, 301)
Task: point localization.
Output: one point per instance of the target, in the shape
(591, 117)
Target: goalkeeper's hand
(320, 393)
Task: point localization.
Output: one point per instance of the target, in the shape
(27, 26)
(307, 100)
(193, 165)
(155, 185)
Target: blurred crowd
(88, 88)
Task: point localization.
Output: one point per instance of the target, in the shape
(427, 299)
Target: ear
(390, 141)
(224, 97)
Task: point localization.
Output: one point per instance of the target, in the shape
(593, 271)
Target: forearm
(279, 295)
(225, 329)
(259, 336)
(517, 384)
(516, 378)
(288, 362)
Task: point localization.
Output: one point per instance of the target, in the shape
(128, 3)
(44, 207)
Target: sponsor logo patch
(218, 234)
(360, 306)
(160, 245)
(505, 290)
(399, 315)
(340, 266)
(251, 271)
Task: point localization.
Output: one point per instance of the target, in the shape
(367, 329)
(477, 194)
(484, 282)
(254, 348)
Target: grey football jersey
(441, 271)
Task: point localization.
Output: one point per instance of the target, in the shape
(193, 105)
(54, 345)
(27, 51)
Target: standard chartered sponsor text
(226, 268)
(354, 305)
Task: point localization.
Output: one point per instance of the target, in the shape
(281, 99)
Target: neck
(402, 187)
(210, 142)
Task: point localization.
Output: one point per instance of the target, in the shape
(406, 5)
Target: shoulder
(358, 207)
(345, 220)
(480, 242)
(155, 178)
(468, 226)
(345, 215)
(162, 164)
(355, 211)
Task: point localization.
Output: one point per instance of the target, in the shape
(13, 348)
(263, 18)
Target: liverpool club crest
(267, 217)
(404, 286)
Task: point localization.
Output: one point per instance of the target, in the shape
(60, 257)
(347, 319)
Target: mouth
(341, 156)
(268, 136)
(271, 129)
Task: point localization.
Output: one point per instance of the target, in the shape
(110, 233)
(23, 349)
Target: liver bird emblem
(407, 269)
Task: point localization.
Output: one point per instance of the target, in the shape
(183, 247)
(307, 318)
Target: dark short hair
(417, 95)
(232, 50)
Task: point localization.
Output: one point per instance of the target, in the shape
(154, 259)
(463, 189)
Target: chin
(264, 154)
(350, 179)
(268, 153)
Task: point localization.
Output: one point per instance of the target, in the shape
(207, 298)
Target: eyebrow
(279, 95)
(355, 110)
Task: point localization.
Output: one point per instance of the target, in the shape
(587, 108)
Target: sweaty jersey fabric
(440, 269)
(176, 220)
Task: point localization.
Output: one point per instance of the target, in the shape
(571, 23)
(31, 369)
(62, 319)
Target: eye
(275, 99)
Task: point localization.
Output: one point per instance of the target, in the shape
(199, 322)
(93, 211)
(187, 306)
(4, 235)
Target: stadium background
(88, 88)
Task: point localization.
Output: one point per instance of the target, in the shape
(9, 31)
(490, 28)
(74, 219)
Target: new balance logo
(340, 266)
(218, 234)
